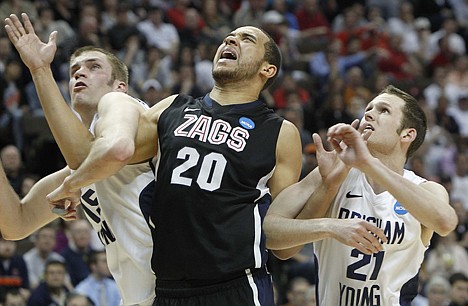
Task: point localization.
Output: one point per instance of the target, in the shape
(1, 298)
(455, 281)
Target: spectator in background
(36, 258)
(434, 10)
(177, 15)
(13, 297)
(13, 270)
(99, 285)
(289, 84)
(185, 81)
(124, 37)
(446, 257)
(312, 21)
(356, 94)
(334, 112)
(436, 292)
(298, 289)
(457, 77)
(436, 88)
(10, 157)
(8, 7)
(47, 23)
(423, 32)
(458, 289)
(460, 113)
(152, 92)
(191, 35)
(13, 100)
(158, 33)
(455, 41)
(462, 214)
(218, 25)
(76, 299)
(29, 180)
(250, 13)
(400, 65)
(52, 291)
(77, 253)
(285, 8)
(156, 65)
(404, 26)
(5, 53)
(204, 65)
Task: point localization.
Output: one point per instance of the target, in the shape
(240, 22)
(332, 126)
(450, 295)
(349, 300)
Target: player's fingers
(378, 232)
(11, 30)
(318, 143)
(355, 124)
(363, 249)
(335, 145)
(27, 23)
(18, 25)
(58, 209)
(53, 38)
(69, 215)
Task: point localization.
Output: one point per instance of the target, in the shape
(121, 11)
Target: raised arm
(114, 144)
(296, 215)
(427, 202)
(72, 137)
(20, 218)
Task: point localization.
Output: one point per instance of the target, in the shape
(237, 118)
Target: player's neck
(234, 94)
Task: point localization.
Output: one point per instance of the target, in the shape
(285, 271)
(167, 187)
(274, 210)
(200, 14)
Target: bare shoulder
(289, 143)
(155, 111)
(120, 99)
(289, 134)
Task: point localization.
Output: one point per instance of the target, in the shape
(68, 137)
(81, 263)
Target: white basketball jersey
(348, 277)
(118, 209)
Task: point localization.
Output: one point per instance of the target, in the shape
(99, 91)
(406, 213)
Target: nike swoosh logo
(349, 195)
(191, 109)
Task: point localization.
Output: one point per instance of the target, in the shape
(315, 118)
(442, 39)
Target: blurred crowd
(337, 55)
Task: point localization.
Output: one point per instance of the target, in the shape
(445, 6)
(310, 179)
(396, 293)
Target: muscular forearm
(18, 219)
(286, 236)
(72, 137)
(104, 160)
(429, 205)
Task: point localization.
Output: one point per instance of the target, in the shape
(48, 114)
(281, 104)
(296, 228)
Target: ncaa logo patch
(247, 123)
(399, 209)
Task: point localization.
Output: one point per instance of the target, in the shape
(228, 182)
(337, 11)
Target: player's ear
(120, 86)
(409, 135)
(268, 70)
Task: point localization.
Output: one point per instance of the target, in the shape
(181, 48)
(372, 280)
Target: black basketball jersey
(211, 195)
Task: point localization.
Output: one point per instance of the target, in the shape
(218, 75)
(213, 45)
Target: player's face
(383, 116)
(240, 56)
(90, 78)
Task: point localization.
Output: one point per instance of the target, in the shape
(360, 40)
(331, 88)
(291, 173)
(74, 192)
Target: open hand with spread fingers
(34, 53)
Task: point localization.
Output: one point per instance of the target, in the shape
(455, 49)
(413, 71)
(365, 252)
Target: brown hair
(272, 56)
(413, 117)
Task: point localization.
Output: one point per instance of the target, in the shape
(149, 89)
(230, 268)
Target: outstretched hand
(359, 234)
(350, 143)
(34, 53)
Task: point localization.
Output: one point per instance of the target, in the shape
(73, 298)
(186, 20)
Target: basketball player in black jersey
(220, 159)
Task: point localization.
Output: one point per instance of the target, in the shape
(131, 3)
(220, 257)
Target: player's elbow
(12, 235)
(447, 225)
(121, 151)
(283, 254)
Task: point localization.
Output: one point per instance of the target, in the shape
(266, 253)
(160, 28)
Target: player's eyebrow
(244, 35)
(87, 61)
